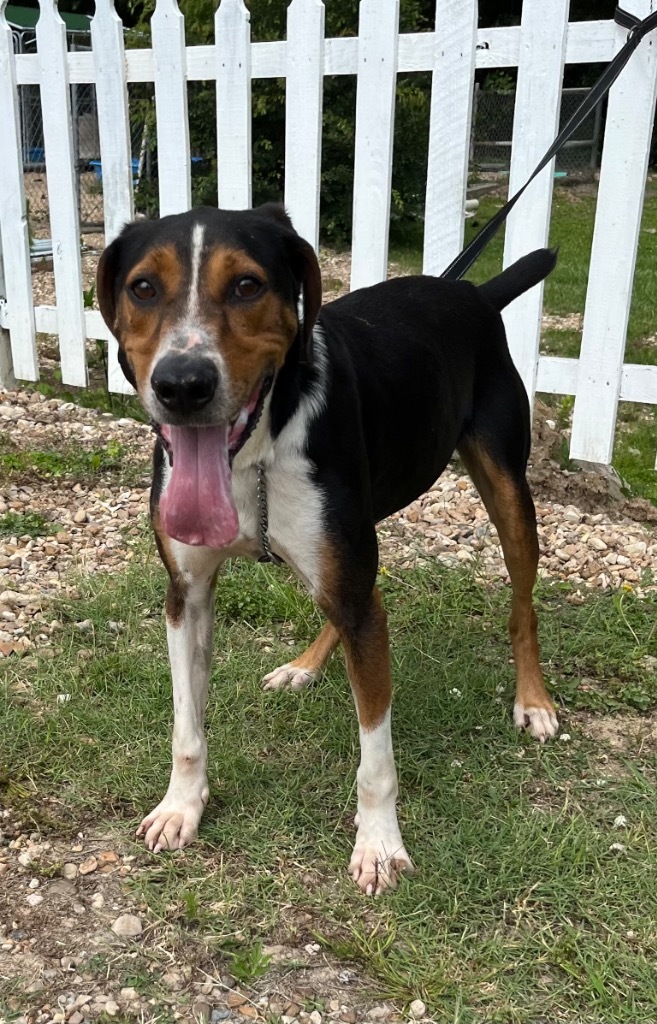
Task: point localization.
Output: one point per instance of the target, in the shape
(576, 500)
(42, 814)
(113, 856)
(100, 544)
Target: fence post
(7, 379)
(16, 281)
(304, 87)
(378, 40)
(232, 27)
(630, 115)
(62, 192)
(450, 132)
(115, 149)
(173, 157)
(543, 35)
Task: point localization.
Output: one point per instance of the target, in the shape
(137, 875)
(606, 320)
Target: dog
(288, 435)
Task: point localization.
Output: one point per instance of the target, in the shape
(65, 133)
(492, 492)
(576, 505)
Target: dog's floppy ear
(109, 281)
(113, 265)
(306, 273)
(307, 268)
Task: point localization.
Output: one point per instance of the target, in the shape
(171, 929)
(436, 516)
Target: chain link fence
(86, 143)
(493, 129)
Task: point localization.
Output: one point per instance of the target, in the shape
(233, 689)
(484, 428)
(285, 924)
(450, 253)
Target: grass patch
(93, 397)
(69, 461)
(520, 910)
(22, 524)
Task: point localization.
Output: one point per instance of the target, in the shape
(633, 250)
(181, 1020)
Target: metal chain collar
(263, 519)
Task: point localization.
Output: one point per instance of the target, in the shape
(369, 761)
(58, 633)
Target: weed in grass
(21, 524)
(249, 964)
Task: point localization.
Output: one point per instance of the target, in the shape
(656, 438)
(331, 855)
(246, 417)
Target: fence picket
(233, 45)
(61, 178)
(630, 116)
(303, 115)
(378, 29)
(540, 76)
(449, 132)
(115, 145)
(172, 122)
(14, 238)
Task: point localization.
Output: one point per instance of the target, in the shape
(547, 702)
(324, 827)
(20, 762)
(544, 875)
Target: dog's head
(204, 306)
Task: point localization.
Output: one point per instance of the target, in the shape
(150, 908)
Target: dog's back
(419, 349)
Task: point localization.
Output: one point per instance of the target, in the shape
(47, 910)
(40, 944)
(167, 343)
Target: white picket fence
(539, 47)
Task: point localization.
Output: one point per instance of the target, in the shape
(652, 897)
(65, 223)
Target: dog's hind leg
(297, 674)
(496, 459)
(190, 615)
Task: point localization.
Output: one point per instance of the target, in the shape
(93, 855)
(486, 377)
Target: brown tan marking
(253, 337)
(140, 328)
(315, 656)
(177, 589)
(511, 509)
(368, 664)
(365, 641)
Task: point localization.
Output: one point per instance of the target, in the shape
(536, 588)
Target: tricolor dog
(292, 435)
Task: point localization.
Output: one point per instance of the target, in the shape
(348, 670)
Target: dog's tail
(520, 276)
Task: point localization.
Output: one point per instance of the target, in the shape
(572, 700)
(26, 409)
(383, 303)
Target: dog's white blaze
(198, 233)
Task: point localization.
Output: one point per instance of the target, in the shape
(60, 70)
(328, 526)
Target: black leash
(638, 29)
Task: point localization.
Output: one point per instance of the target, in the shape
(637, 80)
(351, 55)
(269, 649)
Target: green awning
(27, 17)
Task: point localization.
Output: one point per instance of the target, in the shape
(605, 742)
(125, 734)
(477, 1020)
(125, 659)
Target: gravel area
(97, 521)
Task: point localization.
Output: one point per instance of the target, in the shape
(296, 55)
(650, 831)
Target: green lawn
(520, 911)
(565, 292)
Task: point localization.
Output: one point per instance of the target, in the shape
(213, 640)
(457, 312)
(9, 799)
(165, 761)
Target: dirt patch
(620, 733)
(77, 944)
(591, 490)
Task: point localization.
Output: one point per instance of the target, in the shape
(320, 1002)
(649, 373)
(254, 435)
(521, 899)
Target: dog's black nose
(183, 383)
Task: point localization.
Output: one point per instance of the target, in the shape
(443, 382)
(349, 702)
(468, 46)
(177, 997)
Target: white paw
(288, 677)
(541, 723)
(172, 825)
(377, 864)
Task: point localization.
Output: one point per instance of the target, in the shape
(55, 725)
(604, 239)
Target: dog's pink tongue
(197, 505)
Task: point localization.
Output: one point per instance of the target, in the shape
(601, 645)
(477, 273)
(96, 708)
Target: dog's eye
(247, 287)
(142, 289)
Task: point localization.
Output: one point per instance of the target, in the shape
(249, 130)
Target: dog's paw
(377, 865)
(540, 722)
(288, 677)
(171, 826)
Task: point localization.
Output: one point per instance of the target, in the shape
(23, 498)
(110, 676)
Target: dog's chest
(294, 512)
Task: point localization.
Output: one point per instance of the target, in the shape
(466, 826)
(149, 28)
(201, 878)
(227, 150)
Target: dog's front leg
(379, 856)
(190, 615)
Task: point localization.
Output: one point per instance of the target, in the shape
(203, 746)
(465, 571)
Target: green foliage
(31, 524)
(268, 21)
(250, 964)
(72, 462)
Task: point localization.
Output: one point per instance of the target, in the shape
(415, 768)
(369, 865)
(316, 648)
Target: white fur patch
(198, 232)
(294, 502)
